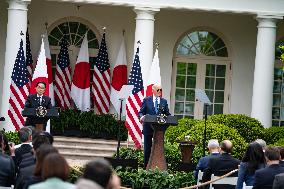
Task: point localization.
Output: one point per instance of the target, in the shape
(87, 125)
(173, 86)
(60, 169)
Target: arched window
(201, 61)
(278, 88)
(74, 29)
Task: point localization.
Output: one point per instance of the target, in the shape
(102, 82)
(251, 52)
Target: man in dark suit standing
(264, 177)
(36, 100)
(222, 164)
(152, 105)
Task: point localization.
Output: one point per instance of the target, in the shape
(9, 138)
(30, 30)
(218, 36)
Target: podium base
(39, 127)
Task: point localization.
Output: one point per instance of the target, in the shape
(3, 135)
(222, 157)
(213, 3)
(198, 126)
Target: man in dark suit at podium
(151, 105)
(36, 100)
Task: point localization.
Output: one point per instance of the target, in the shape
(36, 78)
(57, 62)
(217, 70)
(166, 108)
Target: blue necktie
(156, 105)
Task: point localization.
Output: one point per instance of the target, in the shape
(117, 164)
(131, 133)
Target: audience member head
(261, 142)
(272, 155)
(281, 149)
(226, 146)
(254, 157)
(25, 135)
(99, 171)
(32, 128)
(55, 165)
(41, 153)
(41, 138)
(213, 145)
(157, 90)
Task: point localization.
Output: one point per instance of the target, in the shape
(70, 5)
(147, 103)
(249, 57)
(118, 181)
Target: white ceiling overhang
(263, 7)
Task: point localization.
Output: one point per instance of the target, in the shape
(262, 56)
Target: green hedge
(13, 137)
(90, 124)
(214, 131)
(249, 128)
(273, 134)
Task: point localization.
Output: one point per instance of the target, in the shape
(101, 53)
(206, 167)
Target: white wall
(238, 31)
(3, 31)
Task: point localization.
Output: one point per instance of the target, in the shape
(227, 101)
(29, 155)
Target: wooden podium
(40, 122)
(157, 156)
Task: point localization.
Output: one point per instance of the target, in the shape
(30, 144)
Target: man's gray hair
(261, 142)
(24, 134)
(213, 143)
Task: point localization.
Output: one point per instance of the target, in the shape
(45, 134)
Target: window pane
(221, 71)
(191, 81)
(275, 123)
(282, 113)
(52, 41)
(276, 99)
(180, 94)
(219, 97)
(179, 116)
(189, 108)
(190, 95)
(277, 74)
(209, 83)
(73, 27)
(209, 110)
(56, 33)
(180, 81)
(191, 68)
(218, 108)
(277, 87)
(210, 70)
(210, 94)
(220, 84)
(179, 107)
(181, 68)
(275, 113)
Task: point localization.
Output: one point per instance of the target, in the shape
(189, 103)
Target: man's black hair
(41, 83)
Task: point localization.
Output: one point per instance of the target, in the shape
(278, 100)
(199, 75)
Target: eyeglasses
(158, 90)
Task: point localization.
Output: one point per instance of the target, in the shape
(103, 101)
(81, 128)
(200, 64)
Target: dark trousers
(147, 148)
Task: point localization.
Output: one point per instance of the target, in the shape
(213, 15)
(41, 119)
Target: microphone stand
(118, 134)
(204, 134)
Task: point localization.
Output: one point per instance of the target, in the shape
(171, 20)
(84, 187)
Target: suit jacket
(278, 181)
(203, 163)
(32, 102)
(149, 108)
(19, 152)
(264, 177)
(219, 166)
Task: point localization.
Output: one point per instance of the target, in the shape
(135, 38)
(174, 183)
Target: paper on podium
(124, 92)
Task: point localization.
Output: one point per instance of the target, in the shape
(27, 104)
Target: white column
(144, 33)
(17, 22)
(264, 69)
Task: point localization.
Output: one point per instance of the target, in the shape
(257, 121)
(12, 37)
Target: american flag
(101, 79)
(29, 57)
(134, 102)
(19, 89)
(62, 86)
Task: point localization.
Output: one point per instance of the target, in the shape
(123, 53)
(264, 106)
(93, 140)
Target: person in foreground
(213, 147)
(36, 100)
(222, 164)
(55, 172)
(98, 175)
(152, 105)
(264, 177)
(278, 182)
(253, 160)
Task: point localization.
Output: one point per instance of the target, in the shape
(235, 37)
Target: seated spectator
(7, 167)
(281, 162)
(222, 164)
(25, 135)
(213, 147)
(97, 175)
(264, 177)
(278, 182)
(252, 161)
(55, 172)
(33, 133)
(41, 153)
(25, 175)
(262, 143)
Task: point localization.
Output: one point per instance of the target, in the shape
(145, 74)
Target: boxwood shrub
(273, 134)
(214, 131)
(249, 128)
